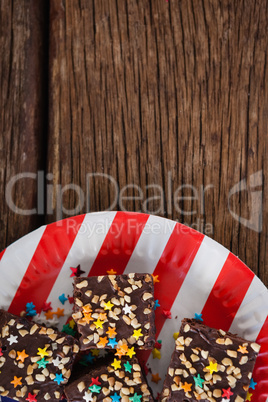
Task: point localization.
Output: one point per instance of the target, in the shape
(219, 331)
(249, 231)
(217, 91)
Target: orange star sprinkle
(49, 315)
(121, 350)
(155, 278)
(186, 386)
(87, 318)
(59, 312)
(102, 343)
(16, 381)
(156, 378)
(103, 316)
(22, 356)
(242, 349)
(111, 332)
(87, 309)
(111, 272)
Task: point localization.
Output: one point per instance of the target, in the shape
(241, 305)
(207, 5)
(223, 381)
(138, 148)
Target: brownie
(113, 312)
(35, 361)
(209, 365)
(114, 380)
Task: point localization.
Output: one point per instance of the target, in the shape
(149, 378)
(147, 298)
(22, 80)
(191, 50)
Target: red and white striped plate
(196, 275)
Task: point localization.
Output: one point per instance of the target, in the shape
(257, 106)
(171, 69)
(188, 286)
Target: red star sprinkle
(1, 354)
(158, 345)
(76, 271)
(31, 398)
(227, 393)
(71, 300)
(95, 381)
(167, 313)
(47, 306)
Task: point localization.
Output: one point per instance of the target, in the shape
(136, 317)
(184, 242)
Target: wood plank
(163, 93)
(22, 111)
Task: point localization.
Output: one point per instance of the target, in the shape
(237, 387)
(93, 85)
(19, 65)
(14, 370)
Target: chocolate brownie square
(115, 311)
(209, 365)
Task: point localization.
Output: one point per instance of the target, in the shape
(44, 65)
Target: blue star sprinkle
(252, 384)
(115, 397)
(198, 317)
(156, 304)
(112, 342)
(59, 379)
(63, 298)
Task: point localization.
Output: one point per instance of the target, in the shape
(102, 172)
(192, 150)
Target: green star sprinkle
(68, 330)
(198, 381)
(135, 398)
(128, 367)
(42, 363)
(95, 388)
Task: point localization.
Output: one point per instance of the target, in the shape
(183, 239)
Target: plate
(193, 275)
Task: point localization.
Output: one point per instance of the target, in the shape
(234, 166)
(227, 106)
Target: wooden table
(168, 98)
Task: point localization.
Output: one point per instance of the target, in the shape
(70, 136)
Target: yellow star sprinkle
(131, 352)
(212, 367)
(137, 333)
(99, 323)
(249, 395)
(42, 352)
(176, 335)
(116, 364)
(108, 306)
(95, 352)
(156, 353)
(72, 323)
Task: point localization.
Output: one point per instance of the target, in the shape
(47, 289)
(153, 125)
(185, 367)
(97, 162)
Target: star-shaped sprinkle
(46, 306)
(59, 379)
(49, 315)
(242, 349)
(176, 335)
(249, 395)
(30, 307)
(156, 353)
(42, 352)
(63, 298)
(99, 323)
(12, 339)
(76, 271)
(1, 353)
(31, 398)
(128, 367)
(102, 342)
(198, 317)
(71, 323)
(198, 381)
(22, 356)
(252, 384)
(115, 397)
(16, 381)
(156, 304)
(127, 309)
(95, 388)
(66, 328)
(212, 367)
(87, 309)
(60, 312)
(167, 314)
(156, 378)
(186, 387)
(95, 381)
(137, 333)
(88, 396)
(56, 362)
(95, 352)
(108, 305)
(103, 316)
(116, 364)
(227, 393)
(42, 363)
(131, 352)
(121, 350)
(155, 279)
(87, 317)
(87, 359)
(111, 332)
(71, 299)
(135, 398)
(111, 272)
(112, 342)
(158, 345)
(102, 353)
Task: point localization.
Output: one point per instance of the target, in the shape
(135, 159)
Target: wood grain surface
(23, 94)
(168, 98)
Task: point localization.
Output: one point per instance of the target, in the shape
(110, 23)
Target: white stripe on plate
(252, 312)
(14, 264)
(150, 245)
(84, 251)
(191, 299)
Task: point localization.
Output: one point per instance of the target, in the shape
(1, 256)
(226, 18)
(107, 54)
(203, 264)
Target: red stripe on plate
(119, 243)
(231, 286)
(46, 264)
(174, 263)
(260, 374)
(1, 254)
